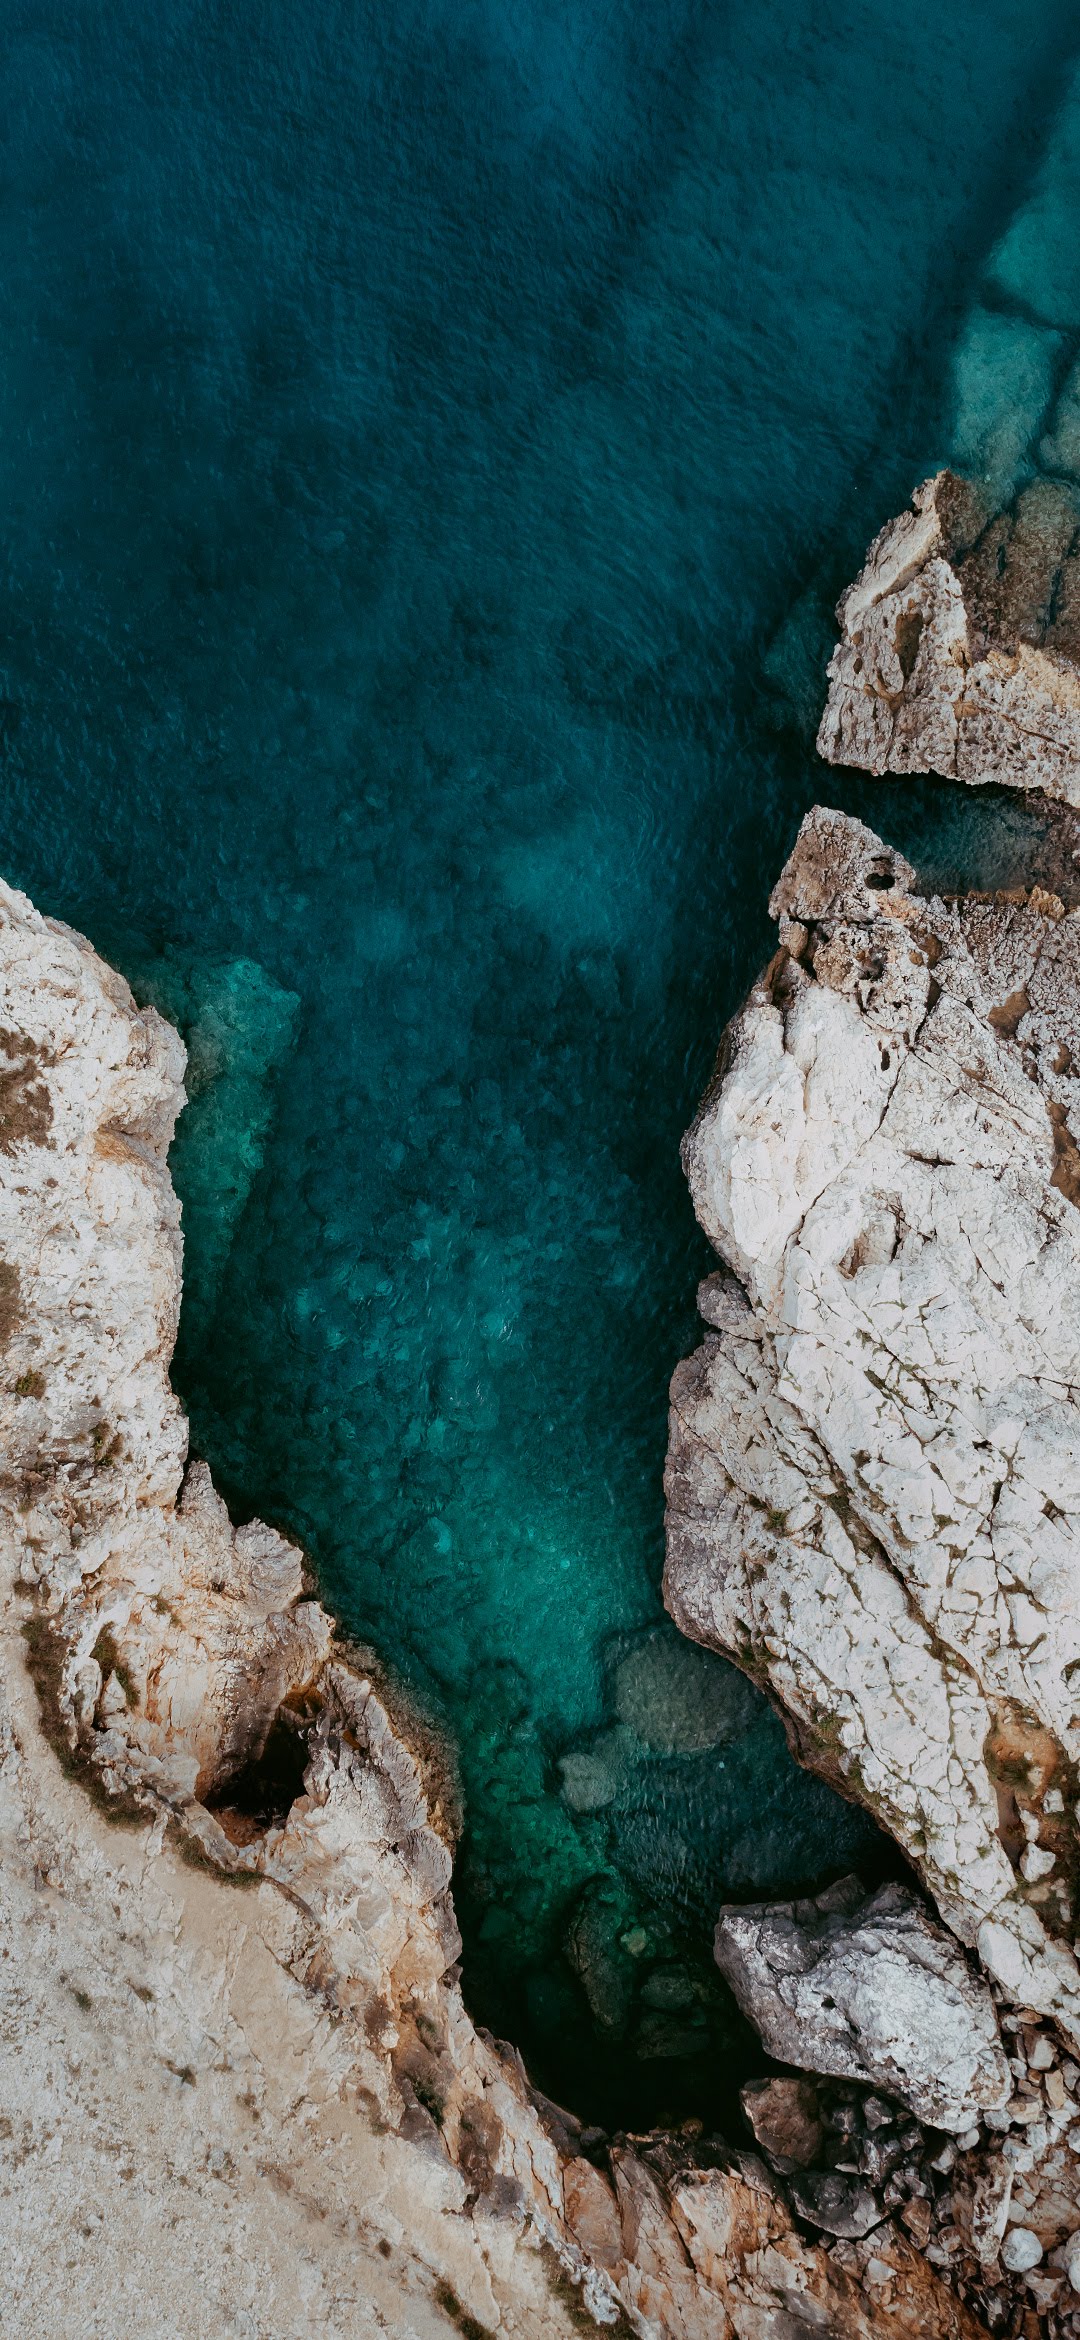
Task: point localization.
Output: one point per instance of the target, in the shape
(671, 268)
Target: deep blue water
(416, 423)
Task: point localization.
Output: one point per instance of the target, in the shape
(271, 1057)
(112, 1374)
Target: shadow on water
(417, 423)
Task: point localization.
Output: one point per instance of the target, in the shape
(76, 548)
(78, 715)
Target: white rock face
(874, 1461)
(866, 1987)
(959, 657)
(263, 2111)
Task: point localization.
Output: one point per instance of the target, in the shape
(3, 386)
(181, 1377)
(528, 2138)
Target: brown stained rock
(785, 2116)
(10, 1308)
(273, 2051)
(592, 2214)
(956, 656)
(776, 2285)
(25, 1103)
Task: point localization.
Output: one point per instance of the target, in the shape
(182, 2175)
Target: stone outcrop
(872, 1471)
(867, 1987)
(241, 2093)
(959, 642)
(873, 1457)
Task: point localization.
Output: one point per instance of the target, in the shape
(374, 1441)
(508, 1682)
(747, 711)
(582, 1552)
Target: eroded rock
(959, 642)
(292, 2064)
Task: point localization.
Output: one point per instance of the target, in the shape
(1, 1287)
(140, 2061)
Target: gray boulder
(867, 1987)
(838, 2205)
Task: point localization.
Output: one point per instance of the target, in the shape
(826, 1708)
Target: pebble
(1055, 2089)
(1021, 2250)
(1036, 1863)
(1042, 2056)
(968, 2140)
(1070, 2259)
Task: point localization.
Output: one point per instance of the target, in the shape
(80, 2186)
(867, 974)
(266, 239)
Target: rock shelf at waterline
(959, 640)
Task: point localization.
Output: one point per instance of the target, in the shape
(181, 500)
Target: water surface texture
(417, 422)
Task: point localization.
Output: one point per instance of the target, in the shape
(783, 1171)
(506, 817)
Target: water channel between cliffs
(393, 540)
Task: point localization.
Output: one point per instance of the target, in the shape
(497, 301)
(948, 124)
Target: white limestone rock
(866, 1987)
(874, 1468)
(959, 644)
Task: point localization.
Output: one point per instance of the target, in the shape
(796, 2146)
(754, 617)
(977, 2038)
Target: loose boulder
(867, 1987)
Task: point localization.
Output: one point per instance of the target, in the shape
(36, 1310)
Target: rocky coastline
(240, 2087)
(241, 2090)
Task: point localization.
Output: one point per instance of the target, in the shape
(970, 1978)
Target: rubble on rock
(959, 640)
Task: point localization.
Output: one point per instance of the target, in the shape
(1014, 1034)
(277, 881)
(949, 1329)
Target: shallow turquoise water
(416, 425)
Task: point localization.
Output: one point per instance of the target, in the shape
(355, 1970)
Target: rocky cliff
(241, 2093)
(874, 1503)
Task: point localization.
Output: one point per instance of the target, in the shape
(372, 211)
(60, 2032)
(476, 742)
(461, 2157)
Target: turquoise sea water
(417, 423)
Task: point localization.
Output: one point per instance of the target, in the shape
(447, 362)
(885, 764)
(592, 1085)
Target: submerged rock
(866, 1987)
(959, 642)
(676, 1699)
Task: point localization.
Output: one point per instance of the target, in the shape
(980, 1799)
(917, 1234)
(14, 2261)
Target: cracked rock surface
(959, 642)
(873, 1507)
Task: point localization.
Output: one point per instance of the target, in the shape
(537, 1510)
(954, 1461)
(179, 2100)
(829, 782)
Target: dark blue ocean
(431, 436)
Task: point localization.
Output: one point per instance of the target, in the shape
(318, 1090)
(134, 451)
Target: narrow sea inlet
(421, 424)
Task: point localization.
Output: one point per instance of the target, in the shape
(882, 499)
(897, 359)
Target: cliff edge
(874, 1507)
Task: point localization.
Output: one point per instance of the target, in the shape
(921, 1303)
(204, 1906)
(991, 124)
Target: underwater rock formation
(265, 2109)
(958, 643)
